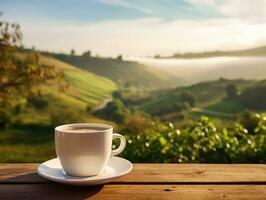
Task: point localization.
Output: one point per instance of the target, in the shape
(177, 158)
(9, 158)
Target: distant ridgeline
(258, 51)
(120, 71)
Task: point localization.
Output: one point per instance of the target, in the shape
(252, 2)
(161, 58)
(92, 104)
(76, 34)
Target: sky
(138, 27)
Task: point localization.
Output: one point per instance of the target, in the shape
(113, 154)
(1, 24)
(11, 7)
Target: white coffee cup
(84, 148)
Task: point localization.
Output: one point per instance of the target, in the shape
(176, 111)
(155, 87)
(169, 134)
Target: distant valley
(202, 69)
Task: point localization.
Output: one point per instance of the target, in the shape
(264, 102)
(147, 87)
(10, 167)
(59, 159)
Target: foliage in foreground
(200, 143)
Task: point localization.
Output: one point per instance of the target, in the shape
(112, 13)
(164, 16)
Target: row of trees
(88, 54)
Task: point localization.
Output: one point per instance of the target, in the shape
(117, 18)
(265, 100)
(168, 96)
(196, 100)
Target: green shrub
(248, 119)
(254, 97)
(5, 117)
(231, 91)
(114, 110)
(201, 143)
(187, 97)
(89, 108)
(38, 102)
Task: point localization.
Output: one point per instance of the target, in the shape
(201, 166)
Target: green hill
(205, 93)
(254, 97)
(29, 136)
(83, 89)
(122, 72)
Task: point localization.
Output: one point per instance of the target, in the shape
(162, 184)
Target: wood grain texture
(54, 191)
(157, 173)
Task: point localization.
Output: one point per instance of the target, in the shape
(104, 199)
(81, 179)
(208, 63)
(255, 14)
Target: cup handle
(121, 146)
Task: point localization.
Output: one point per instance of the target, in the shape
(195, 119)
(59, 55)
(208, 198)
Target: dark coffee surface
(83, 129)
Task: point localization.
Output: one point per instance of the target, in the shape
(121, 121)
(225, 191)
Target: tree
(87, 54)
(19, 77)
(119, 58)
(114, 110)
(254, 97)
(186, 97)
(231, 91)
(117, 95)
(72, 52)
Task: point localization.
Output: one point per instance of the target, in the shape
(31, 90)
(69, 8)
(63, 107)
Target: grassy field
(26, 144)
(31, 142)
(208, 95)
(29, 137)
(226, 106)
(85, 88)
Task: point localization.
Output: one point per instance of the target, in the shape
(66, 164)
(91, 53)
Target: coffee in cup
(84, 148)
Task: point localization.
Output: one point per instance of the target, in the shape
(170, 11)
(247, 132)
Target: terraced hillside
(84, 88)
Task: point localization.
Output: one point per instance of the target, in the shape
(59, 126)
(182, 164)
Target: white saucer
(116, 167)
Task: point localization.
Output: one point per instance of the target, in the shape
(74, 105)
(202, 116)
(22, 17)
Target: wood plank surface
(157, 173)
(55, 191)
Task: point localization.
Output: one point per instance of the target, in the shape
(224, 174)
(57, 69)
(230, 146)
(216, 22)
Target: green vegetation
(203, 142)
(83, 88)
(254, 97)
(20, 77)
(226, 106)
(42, 90)
(231, 91)
(89, 88)
(38, 93)
(27, 144)
(121, 72)
(205, 95)
(114, 111)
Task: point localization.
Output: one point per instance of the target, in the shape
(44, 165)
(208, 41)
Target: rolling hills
(208, 95)
(29, 136)
(122, 72)
(84, 89)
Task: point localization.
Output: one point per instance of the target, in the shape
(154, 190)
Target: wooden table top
(146, 181)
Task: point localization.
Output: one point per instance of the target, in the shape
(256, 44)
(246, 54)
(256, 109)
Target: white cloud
(244, 26)
(147, 36)
(126, 4)
(240, 9)
(248, 9)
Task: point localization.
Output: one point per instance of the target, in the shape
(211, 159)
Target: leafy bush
(136, 123)
(187, 97)
(114, 110)
(249, 120)
(203, 142)
(38, 102)
(254, 97)
(231, 91)
(5, 117)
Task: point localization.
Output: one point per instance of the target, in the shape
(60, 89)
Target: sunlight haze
(139, 28)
